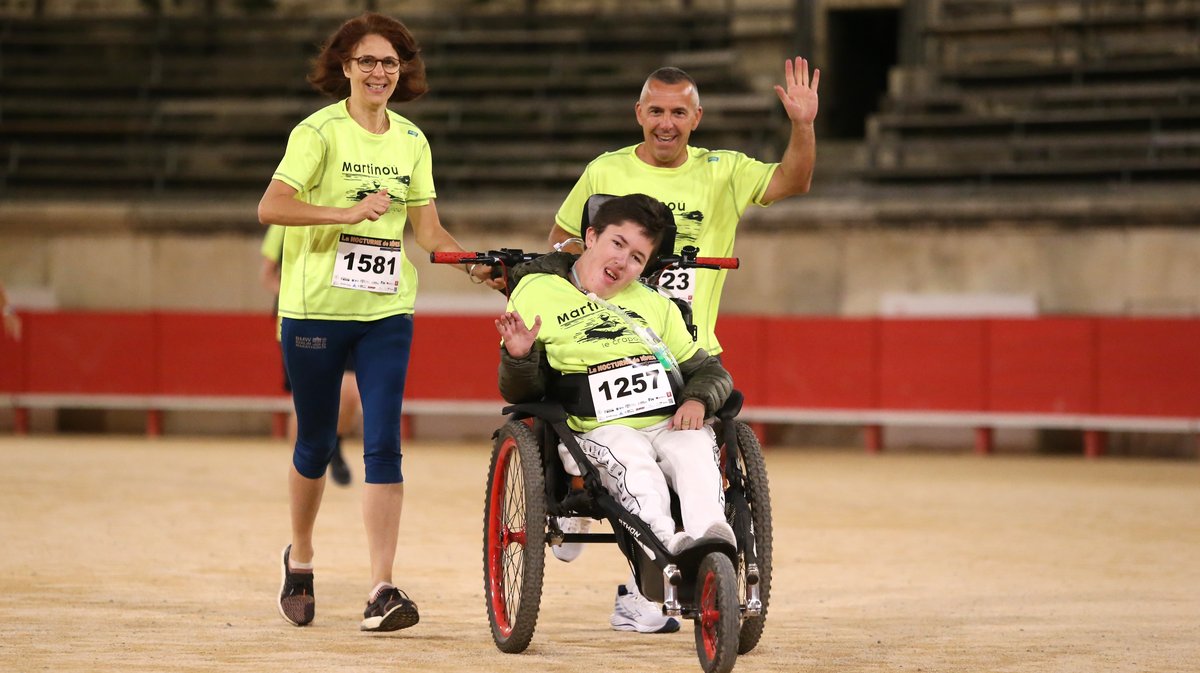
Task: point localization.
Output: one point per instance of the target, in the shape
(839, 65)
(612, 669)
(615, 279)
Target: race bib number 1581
(371, 264)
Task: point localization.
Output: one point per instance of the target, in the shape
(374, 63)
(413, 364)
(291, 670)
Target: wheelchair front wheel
(514, 530)
(718, 617)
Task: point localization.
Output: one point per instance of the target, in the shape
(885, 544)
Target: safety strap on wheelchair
(572, 391)
(633, 528)
(591, 480)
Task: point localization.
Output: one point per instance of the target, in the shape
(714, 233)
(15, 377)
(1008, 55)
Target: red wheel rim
(710, 615)
(506, 536)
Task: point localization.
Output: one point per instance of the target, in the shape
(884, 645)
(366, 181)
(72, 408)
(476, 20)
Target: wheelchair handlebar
(503, 257)
(710, 263)
(510, 257)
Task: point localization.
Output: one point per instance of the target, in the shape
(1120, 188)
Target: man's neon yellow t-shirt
(332, 161)
(707, 195)
(578, 333)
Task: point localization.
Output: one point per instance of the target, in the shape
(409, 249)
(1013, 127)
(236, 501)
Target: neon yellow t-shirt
(578, 334)
(707, 194)
(272, 243)
(332, 161)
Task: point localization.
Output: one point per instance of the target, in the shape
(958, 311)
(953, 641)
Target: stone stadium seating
(169, 106)
(1092, 90)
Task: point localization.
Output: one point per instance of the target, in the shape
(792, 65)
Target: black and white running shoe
(390, 610)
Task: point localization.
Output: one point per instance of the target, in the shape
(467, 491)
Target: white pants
(636, 466)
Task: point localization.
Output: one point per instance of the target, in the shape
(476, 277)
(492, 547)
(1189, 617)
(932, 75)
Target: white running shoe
(634, 612)
(569, 551)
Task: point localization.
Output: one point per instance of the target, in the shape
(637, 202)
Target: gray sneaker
(634, 612)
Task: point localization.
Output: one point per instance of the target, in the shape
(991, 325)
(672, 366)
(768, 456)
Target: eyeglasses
(367, 63)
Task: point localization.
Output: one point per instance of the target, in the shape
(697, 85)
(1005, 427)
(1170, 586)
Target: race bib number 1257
(629, 386)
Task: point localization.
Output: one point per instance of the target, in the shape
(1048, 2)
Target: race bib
(371, 264)
(678, 283)
(629, 386)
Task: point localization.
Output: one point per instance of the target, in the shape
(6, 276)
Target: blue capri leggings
(314, 353)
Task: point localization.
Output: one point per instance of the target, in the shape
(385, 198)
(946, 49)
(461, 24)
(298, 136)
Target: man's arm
(794, 175)
(559, 237)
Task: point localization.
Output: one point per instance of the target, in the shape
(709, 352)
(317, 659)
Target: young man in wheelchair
(642, 425)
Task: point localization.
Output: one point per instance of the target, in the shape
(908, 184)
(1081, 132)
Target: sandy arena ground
(128, 554)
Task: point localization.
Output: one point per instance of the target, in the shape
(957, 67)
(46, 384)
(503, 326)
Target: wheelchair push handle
(687, 259)
(714, 263)
(502, 257)
(512, 256)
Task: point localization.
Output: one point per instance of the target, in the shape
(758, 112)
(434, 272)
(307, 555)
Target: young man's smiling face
(614, 258)
(667, 113)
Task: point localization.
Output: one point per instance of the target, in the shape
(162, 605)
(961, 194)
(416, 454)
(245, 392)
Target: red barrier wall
(217, 354)
(1042, 365)
(454, 358)
(12, 364)
(933, 364)
(111, 353)
(1087, 365)
(818, 363)
(1148, 367)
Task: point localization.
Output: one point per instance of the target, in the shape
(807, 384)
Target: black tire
(514, 537)
(718, 614)
(758, 493)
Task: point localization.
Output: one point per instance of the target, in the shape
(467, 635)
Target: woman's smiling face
(376, 86)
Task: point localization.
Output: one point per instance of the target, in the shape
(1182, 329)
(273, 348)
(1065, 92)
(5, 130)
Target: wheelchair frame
(724, 590)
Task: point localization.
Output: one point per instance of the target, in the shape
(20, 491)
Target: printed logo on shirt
(365, 189)
(688, 224)
(373, 177)
(604, 327)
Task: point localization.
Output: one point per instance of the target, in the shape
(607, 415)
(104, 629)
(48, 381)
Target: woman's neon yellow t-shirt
(332, 161)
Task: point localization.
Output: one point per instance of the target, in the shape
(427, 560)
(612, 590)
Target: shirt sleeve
(570, 214)
(303, 158)
(750, 179)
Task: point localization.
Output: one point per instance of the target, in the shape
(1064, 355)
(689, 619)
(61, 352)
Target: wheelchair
(724, 589)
